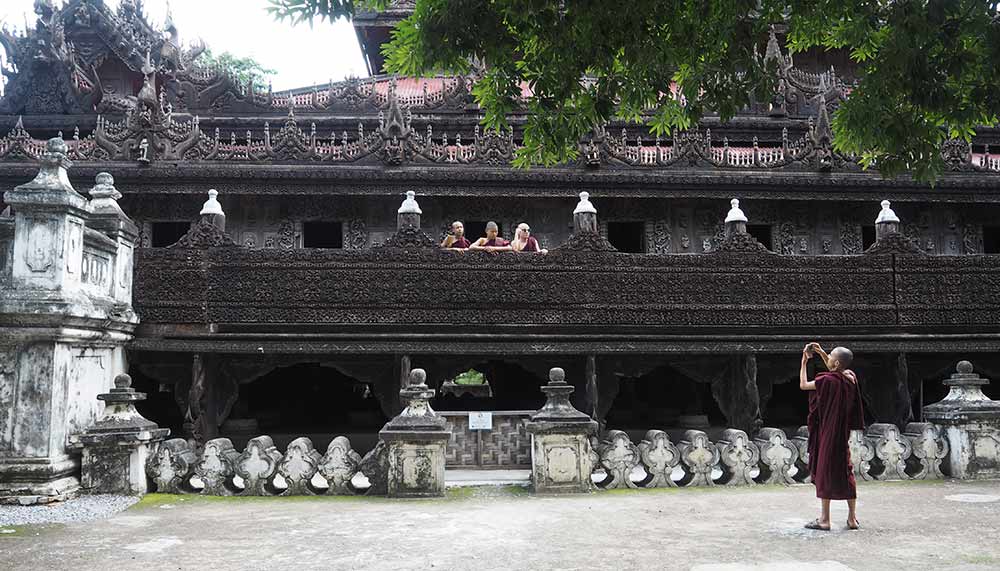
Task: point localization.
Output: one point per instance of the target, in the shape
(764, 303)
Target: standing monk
(834, 411)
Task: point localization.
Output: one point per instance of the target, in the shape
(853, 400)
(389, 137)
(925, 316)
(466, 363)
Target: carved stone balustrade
(777, 456)
(891, 451)
(659, 457)
(862, 453)
(561, 452)
(618, 457)
(739, 456)
(929, 449)
(298, 466)
(801, 442)
(339, 465)
(699, 456)
(172, 466)
(971, 424)
(257, 466)
(217, 468)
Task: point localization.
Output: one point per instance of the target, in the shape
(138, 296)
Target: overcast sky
(301, 56)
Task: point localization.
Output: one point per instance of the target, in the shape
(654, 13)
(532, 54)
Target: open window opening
(167, 233)
(323, 234)
(628, 237)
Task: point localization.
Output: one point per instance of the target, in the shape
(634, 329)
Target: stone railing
(883, 452)
(260, 469)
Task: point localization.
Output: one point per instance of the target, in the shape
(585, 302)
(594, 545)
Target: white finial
(735, 214)
(584, 206)
(212, 205)
(886, 214)
(410, 205)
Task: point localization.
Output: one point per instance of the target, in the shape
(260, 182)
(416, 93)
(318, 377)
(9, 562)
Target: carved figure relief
(8, 370)
(39, 255)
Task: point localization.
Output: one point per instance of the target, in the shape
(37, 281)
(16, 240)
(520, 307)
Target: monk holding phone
(834, 411)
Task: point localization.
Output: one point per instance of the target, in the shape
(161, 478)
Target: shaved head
(843, 356)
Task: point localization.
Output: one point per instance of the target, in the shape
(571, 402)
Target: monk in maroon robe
(834, 411)
(492, 242)
(456, 240)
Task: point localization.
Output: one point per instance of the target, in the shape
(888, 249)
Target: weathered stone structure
(300, 296)
(562, 457)
(415, 441)
(117, 447)
(971, 425)
(65, 299)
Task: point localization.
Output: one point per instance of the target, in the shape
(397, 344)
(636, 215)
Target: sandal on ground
(857, 525)
(814, 524)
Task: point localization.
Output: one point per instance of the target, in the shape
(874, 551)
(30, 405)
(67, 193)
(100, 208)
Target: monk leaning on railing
(834, 411)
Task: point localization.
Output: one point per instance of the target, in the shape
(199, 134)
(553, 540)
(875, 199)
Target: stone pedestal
(415, 441)
(65, 316)
(116, 448)
(561, 454)
(970, 423)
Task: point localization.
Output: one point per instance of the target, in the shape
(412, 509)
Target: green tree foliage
(242, 68)
(928, 69)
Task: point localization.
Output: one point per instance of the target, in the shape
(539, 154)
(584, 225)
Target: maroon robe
(496, 242)
(531, 245)
(834, 410)
(460, 243)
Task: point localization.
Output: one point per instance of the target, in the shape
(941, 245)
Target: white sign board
(480, 421)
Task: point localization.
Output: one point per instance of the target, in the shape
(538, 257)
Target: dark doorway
(628, 237)
(309, 400)
(322, 234)
(867, 237)
(662, 399)
(167, 233)
(991, 239)
(762, 232)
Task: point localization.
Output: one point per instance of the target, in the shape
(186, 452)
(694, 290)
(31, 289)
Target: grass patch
(981, 559)
(26, 530)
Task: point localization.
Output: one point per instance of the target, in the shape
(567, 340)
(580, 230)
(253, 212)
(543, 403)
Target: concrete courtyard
(906, 525)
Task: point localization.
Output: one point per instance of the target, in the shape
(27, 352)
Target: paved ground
(941, 525)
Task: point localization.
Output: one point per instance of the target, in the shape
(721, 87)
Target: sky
(301, 56)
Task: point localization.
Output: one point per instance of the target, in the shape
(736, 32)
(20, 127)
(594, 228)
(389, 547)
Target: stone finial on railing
(298, 466)
(210, 230)
(862, 453)
(777, 456)
(409, 212)
(929, 449)
(699, 456)
(104, 196)
(888, 238)
(53, 175)
(171, 467)
(886, 222)
(586, 235)
(339, 465)
(416, 440)
(408, 233)
(618, 458)
(561, 449)
(584, 215)
(211, 210)
(971, 424)
(736, 220)
(739, 456)
(117, 446)
(257, 466)
(891, 452)
(217, 468)
(735, 237)
(659, 457)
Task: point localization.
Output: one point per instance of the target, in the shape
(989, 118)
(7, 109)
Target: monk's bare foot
(853, 524)
(817, 524)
